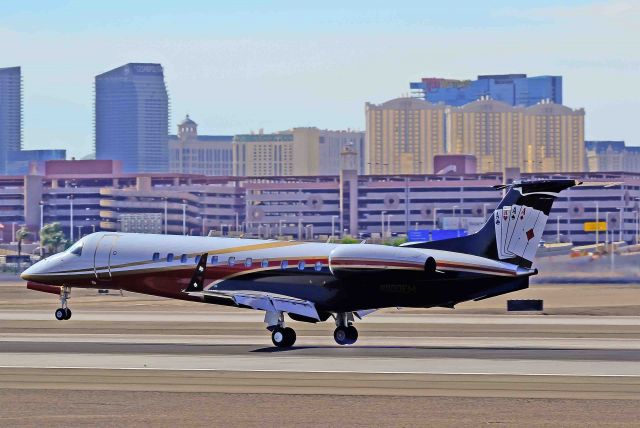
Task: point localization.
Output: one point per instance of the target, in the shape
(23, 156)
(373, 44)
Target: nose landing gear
(63, 312)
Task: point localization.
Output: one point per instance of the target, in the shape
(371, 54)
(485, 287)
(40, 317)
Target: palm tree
(21, 234)
(52, 237)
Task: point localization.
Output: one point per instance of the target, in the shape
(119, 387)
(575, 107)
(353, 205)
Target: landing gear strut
(281, 336)
(345, 333)
(63, 312)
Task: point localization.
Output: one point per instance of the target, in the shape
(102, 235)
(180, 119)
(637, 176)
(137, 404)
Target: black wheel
(341, 336)
(61, 314)
(290, 336)
(68, 315)
(352, 334)
(283, 337)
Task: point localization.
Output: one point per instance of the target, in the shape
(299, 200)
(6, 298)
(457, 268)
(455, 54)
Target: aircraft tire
(61, 314)
(68, 314)
(341, 336)
(283, 337)
(352, 334)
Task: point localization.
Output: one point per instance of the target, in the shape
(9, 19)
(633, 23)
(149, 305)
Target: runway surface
(500, 355)
(131, 360)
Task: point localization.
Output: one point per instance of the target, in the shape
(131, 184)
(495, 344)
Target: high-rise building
(333, 143)
(403, 135)
(25, 162)
(542, 138)
(132, 117)
(298, 151)
(190, 153)
(513, 89)
(10, 113)
(607, 156)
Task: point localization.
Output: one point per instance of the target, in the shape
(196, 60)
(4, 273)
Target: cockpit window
(76, 249)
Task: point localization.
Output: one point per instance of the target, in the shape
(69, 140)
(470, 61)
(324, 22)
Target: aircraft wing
(263, 301)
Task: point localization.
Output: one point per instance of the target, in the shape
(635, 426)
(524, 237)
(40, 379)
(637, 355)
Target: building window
(170, 257)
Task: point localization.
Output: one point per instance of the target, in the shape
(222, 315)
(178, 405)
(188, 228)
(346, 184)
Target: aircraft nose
(31, 271)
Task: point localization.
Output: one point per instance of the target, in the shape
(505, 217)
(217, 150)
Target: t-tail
(514, 231)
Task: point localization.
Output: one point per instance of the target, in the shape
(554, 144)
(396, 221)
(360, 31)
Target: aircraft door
(102, 257)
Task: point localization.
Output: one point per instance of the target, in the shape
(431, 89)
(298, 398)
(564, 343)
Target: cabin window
(318, 266)
(170, 257)
(183, 258)
(265, 263)
(301, 265)
(214, 260)
(284, 264)
(248, 262)
(156, 257)
(197, 259)
(231, 261)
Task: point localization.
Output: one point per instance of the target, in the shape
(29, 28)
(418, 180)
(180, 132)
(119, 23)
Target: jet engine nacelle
(348, 261)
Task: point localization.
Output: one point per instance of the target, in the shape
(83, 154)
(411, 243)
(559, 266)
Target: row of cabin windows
(231, 261)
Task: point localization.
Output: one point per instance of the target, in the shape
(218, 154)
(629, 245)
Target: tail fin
(513, 233)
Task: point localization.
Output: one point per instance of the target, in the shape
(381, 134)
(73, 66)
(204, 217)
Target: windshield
(75, 249)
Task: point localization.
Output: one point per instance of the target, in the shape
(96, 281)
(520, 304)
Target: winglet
(197, 280)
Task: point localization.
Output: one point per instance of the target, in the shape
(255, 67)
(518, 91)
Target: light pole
(606, 219)
(71, 217)
(389, 224)
(79, 231)
(382, 224)
(41, 226)
(237, 222)
(484, 209)
(558, 228)
(621, 209)
(333, 225)
(454, 214)
(184, 218)
(435, 218)
(280, 227)
(166, 210)
(598, 224)
(93, 227)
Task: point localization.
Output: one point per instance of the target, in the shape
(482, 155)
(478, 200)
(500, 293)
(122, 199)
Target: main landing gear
(345, 333)
(281, 335)
(63, 312)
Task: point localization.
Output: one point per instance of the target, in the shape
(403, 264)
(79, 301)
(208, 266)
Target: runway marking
(323, 371)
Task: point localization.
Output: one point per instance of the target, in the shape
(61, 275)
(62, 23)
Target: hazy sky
(237, 66)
